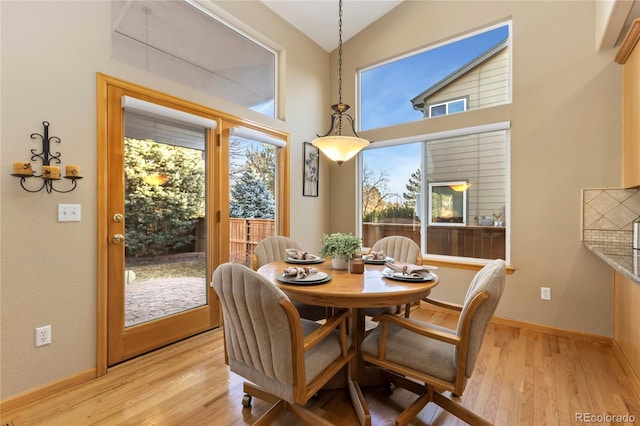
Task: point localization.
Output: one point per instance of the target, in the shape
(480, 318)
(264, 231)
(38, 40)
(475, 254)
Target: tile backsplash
(608, 215)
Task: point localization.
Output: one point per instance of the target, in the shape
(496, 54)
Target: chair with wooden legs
(287, 359)
(427, 359)
(274, 248)
(402, 249)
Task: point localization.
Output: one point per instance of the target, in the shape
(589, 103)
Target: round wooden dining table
(355, 292)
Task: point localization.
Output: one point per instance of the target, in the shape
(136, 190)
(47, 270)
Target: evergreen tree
(164, 197)
(414, 187)
(251, 198)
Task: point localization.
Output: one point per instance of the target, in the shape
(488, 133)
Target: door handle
(118, 217)
(118, 239)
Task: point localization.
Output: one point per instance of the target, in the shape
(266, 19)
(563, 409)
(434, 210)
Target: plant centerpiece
(341, 247)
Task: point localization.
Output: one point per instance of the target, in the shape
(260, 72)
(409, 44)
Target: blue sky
(387, 91)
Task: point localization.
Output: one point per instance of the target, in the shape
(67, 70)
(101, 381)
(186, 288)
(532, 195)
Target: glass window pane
(391, 189)
(455, 106)
(438, 110)
(211, 56)
(165, 226)
(399, 91)
(252, 198)
(469, 203)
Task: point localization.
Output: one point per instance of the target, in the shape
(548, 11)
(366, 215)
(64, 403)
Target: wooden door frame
(218, 206)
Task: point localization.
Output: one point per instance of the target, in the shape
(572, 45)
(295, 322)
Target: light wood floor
(521, 378)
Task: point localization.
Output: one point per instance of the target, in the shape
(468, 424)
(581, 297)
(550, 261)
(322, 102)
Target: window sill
(459, 263)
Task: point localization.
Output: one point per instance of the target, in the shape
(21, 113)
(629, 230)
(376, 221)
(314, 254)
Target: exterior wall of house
(565, 135)
(480, 160)
(486, 85)
(51, 52)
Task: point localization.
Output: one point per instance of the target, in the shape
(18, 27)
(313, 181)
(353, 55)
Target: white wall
(51, 52)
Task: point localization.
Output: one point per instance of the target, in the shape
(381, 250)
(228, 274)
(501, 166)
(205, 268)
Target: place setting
(408, 272)
(303, 276)
(377, 258)
(298, 256)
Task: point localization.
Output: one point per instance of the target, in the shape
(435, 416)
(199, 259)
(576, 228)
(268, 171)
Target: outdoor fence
(372, 232)
(244, 236)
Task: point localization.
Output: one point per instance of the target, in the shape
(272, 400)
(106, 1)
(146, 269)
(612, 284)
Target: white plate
(400, 277)
(317, 278)
(313, 260)
(378, 261)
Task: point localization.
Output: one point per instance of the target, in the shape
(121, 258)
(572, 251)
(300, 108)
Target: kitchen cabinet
(629, 57)
(626, 328)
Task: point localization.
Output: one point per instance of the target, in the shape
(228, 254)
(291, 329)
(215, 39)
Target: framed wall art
(311, 156)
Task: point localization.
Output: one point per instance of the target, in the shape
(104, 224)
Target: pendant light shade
(334, 144)
(340, 148)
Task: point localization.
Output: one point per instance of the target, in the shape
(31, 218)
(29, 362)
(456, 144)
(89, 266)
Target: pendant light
(334, 144)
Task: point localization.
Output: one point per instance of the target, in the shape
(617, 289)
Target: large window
(447, 194)
(185, 42)
(463, 74)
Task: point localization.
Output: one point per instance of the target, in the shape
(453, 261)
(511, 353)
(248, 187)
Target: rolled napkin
(375, 255)
(299, 273)
(299, 254)
(409, 270)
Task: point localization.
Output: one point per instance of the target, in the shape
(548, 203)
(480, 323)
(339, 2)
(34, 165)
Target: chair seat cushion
(318, 358)
(417, 352)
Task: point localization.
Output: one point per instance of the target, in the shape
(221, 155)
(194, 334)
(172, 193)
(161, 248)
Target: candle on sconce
(51, 172)
(20, 168)
(72, 172)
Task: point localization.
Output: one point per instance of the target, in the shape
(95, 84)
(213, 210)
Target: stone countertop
(623, 259)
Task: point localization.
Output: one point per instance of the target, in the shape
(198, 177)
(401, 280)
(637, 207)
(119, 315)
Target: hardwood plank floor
(521, 378)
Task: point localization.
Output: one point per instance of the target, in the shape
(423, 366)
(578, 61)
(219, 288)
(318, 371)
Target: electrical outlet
(43, 335)
(545, 293)
(68, 212)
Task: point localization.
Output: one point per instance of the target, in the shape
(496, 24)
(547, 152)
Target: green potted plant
(341, 247)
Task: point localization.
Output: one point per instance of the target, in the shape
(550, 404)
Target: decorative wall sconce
(50, 174)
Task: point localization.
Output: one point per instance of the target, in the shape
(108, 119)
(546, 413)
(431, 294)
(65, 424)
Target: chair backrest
(272, 249)
(402, 249)
(490, 278)
(257, 331)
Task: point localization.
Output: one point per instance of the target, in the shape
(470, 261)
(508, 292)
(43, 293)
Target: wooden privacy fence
(466, 241)
(372, 232)
(244, 236)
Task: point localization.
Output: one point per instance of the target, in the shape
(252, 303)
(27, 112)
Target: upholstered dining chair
(274, 248)
(287, 359)
(402, 249)
(428, 359)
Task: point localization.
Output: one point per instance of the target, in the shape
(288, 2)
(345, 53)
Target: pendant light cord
(340, 63)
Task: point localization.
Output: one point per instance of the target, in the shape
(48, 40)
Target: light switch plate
(68, 212)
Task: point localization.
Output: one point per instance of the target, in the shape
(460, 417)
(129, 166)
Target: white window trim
(462, 131)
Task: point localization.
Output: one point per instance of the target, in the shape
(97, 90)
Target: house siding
(480, 159)
(485, 85)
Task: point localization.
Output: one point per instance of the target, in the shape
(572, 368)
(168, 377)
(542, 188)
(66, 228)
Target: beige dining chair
(286, 358)
(438, 358)
(272, 249)
(402, 249)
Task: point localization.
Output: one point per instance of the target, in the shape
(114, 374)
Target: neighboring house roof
(489, 53)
